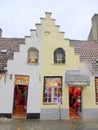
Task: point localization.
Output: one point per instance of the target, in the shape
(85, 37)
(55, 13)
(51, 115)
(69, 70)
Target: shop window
(52, 90)
(96, 89)
(59, 56)
(32, 55)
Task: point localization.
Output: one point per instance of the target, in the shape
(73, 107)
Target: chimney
(95, 27)
(0, 33)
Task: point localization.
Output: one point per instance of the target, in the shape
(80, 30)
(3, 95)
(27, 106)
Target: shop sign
(59, 101)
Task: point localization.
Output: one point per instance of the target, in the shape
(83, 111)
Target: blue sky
(17, 17)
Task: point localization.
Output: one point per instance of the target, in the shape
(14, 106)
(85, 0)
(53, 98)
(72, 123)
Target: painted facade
(49, 67)
(24, 74)
(52, 40)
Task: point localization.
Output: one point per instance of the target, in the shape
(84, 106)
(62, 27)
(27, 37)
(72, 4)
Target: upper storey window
(59, 56)
(32, 55)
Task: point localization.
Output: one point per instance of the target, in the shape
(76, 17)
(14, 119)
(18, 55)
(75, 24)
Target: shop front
(75, 101)
(54, 106)
(76, 80)
(20, 96)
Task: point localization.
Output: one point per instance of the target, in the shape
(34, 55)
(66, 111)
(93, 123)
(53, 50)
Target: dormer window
(4, 51)
(59, 56)
(32, 55)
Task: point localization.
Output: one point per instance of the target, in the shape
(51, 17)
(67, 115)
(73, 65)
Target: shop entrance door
(20, 96)
(20, 101)
(74, 101)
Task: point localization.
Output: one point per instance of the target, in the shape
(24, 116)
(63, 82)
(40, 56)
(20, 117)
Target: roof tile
(88, 51)
(12, 45)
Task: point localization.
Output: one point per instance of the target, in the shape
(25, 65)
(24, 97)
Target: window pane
(59, 56)
(52, 89)
(96, 89)
(33, 55)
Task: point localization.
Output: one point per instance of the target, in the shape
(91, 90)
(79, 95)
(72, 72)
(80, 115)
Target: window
(32, 55)
(96, 88)
(59, 56)
(4, 51)
(52, 89)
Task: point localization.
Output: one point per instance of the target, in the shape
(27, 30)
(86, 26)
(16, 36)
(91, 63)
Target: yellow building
(67, 73)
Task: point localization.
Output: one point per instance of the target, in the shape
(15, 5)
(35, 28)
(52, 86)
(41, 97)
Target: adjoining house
(47, 76)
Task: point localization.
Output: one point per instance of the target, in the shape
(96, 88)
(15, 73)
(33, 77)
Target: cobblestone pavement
(72, 124)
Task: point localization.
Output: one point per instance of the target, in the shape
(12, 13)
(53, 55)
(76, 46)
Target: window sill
(33, 63)
(49, 103)
(58, 63)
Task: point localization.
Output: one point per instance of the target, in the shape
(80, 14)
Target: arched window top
(32, 48)
(59, 55)
(33, 55)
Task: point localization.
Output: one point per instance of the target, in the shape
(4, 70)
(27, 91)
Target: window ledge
(33, 63)
(49, 103)
(58, 63)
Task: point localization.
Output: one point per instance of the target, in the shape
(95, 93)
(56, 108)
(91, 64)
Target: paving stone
(72, 124)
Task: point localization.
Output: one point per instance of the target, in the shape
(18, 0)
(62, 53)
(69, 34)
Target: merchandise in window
(96, 89)
(52, 89)
(33, 55)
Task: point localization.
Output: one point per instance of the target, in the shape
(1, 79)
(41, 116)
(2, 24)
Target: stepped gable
(88, 51)
(7, 48)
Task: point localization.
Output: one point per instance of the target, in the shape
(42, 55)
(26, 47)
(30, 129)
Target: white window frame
(33, 55)
(59, 56)
(52, 91)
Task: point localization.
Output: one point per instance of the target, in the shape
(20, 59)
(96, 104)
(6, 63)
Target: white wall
(19, 66)
(6, 95)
